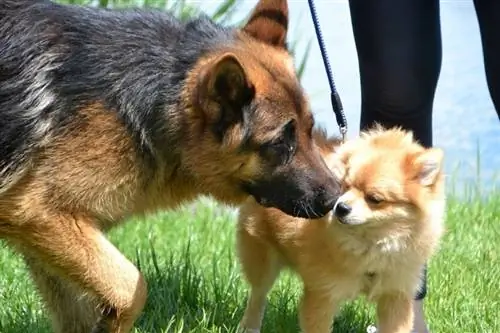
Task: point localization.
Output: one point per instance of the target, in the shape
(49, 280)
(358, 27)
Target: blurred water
(465, 122)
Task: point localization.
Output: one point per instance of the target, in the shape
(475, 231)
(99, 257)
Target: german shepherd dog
(105, 114)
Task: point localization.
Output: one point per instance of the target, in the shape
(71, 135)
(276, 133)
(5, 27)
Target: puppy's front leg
(317, 311)
(395, 313)
(261, 268)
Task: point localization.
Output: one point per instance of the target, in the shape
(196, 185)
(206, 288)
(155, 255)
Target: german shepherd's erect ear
(223, 90)
(269, 22)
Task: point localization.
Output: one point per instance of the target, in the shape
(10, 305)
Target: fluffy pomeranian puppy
(386, 224)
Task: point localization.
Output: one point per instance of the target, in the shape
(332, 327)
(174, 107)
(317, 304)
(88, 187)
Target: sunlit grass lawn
(195, 283)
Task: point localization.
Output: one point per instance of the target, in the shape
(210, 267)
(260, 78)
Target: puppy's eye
(373, 199)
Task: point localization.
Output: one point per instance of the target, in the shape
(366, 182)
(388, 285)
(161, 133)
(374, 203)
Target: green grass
(195, 283)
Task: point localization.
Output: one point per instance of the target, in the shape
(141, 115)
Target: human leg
(488, 14)
(399, 52)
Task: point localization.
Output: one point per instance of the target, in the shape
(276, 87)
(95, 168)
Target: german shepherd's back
(55, 59)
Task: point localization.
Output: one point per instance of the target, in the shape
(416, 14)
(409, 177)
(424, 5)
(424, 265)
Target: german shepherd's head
(251, 126)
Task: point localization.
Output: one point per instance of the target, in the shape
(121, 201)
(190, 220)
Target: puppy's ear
(269, 22)
(427, 166)
(223, 90)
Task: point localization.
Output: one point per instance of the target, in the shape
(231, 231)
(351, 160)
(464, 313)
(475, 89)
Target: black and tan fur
(106, 114)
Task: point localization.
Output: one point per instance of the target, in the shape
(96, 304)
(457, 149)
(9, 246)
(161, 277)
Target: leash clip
(343, 132)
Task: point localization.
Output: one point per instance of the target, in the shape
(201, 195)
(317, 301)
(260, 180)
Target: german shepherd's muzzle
(295, 179)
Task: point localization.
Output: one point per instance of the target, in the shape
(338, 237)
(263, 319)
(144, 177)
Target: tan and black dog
(105, 114)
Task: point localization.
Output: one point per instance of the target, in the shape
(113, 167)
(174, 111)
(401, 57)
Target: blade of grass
(303, 62)
(224, 11)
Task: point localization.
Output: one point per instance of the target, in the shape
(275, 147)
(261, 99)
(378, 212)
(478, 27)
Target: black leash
(334, 95)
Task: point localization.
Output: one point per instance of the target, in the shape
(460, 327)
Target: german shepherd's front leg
(71, 247)
(70, 310)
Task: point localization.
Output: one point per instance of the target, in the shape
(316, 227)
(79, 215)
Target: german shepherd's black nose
(310, 204)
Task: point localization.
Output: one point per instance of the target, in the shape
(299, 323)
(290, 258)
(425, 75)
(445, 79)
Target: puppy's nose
(342, 209)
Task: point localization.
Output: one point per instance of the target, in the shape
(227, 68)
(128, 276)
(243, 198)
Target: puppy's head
(251, 124)
(389, 178)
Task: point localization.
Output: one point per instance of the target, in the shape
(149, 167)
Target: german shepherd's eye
(281, 150)
(278, 153)
(373, 199)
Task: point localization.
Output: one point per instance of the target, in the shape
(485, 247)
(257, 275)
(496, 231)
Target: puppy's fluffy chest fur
(346, 261)
(379, 261)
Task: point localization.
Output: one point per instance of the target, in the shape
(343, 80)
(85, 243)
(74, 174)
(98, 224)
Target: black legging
(399, 51)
